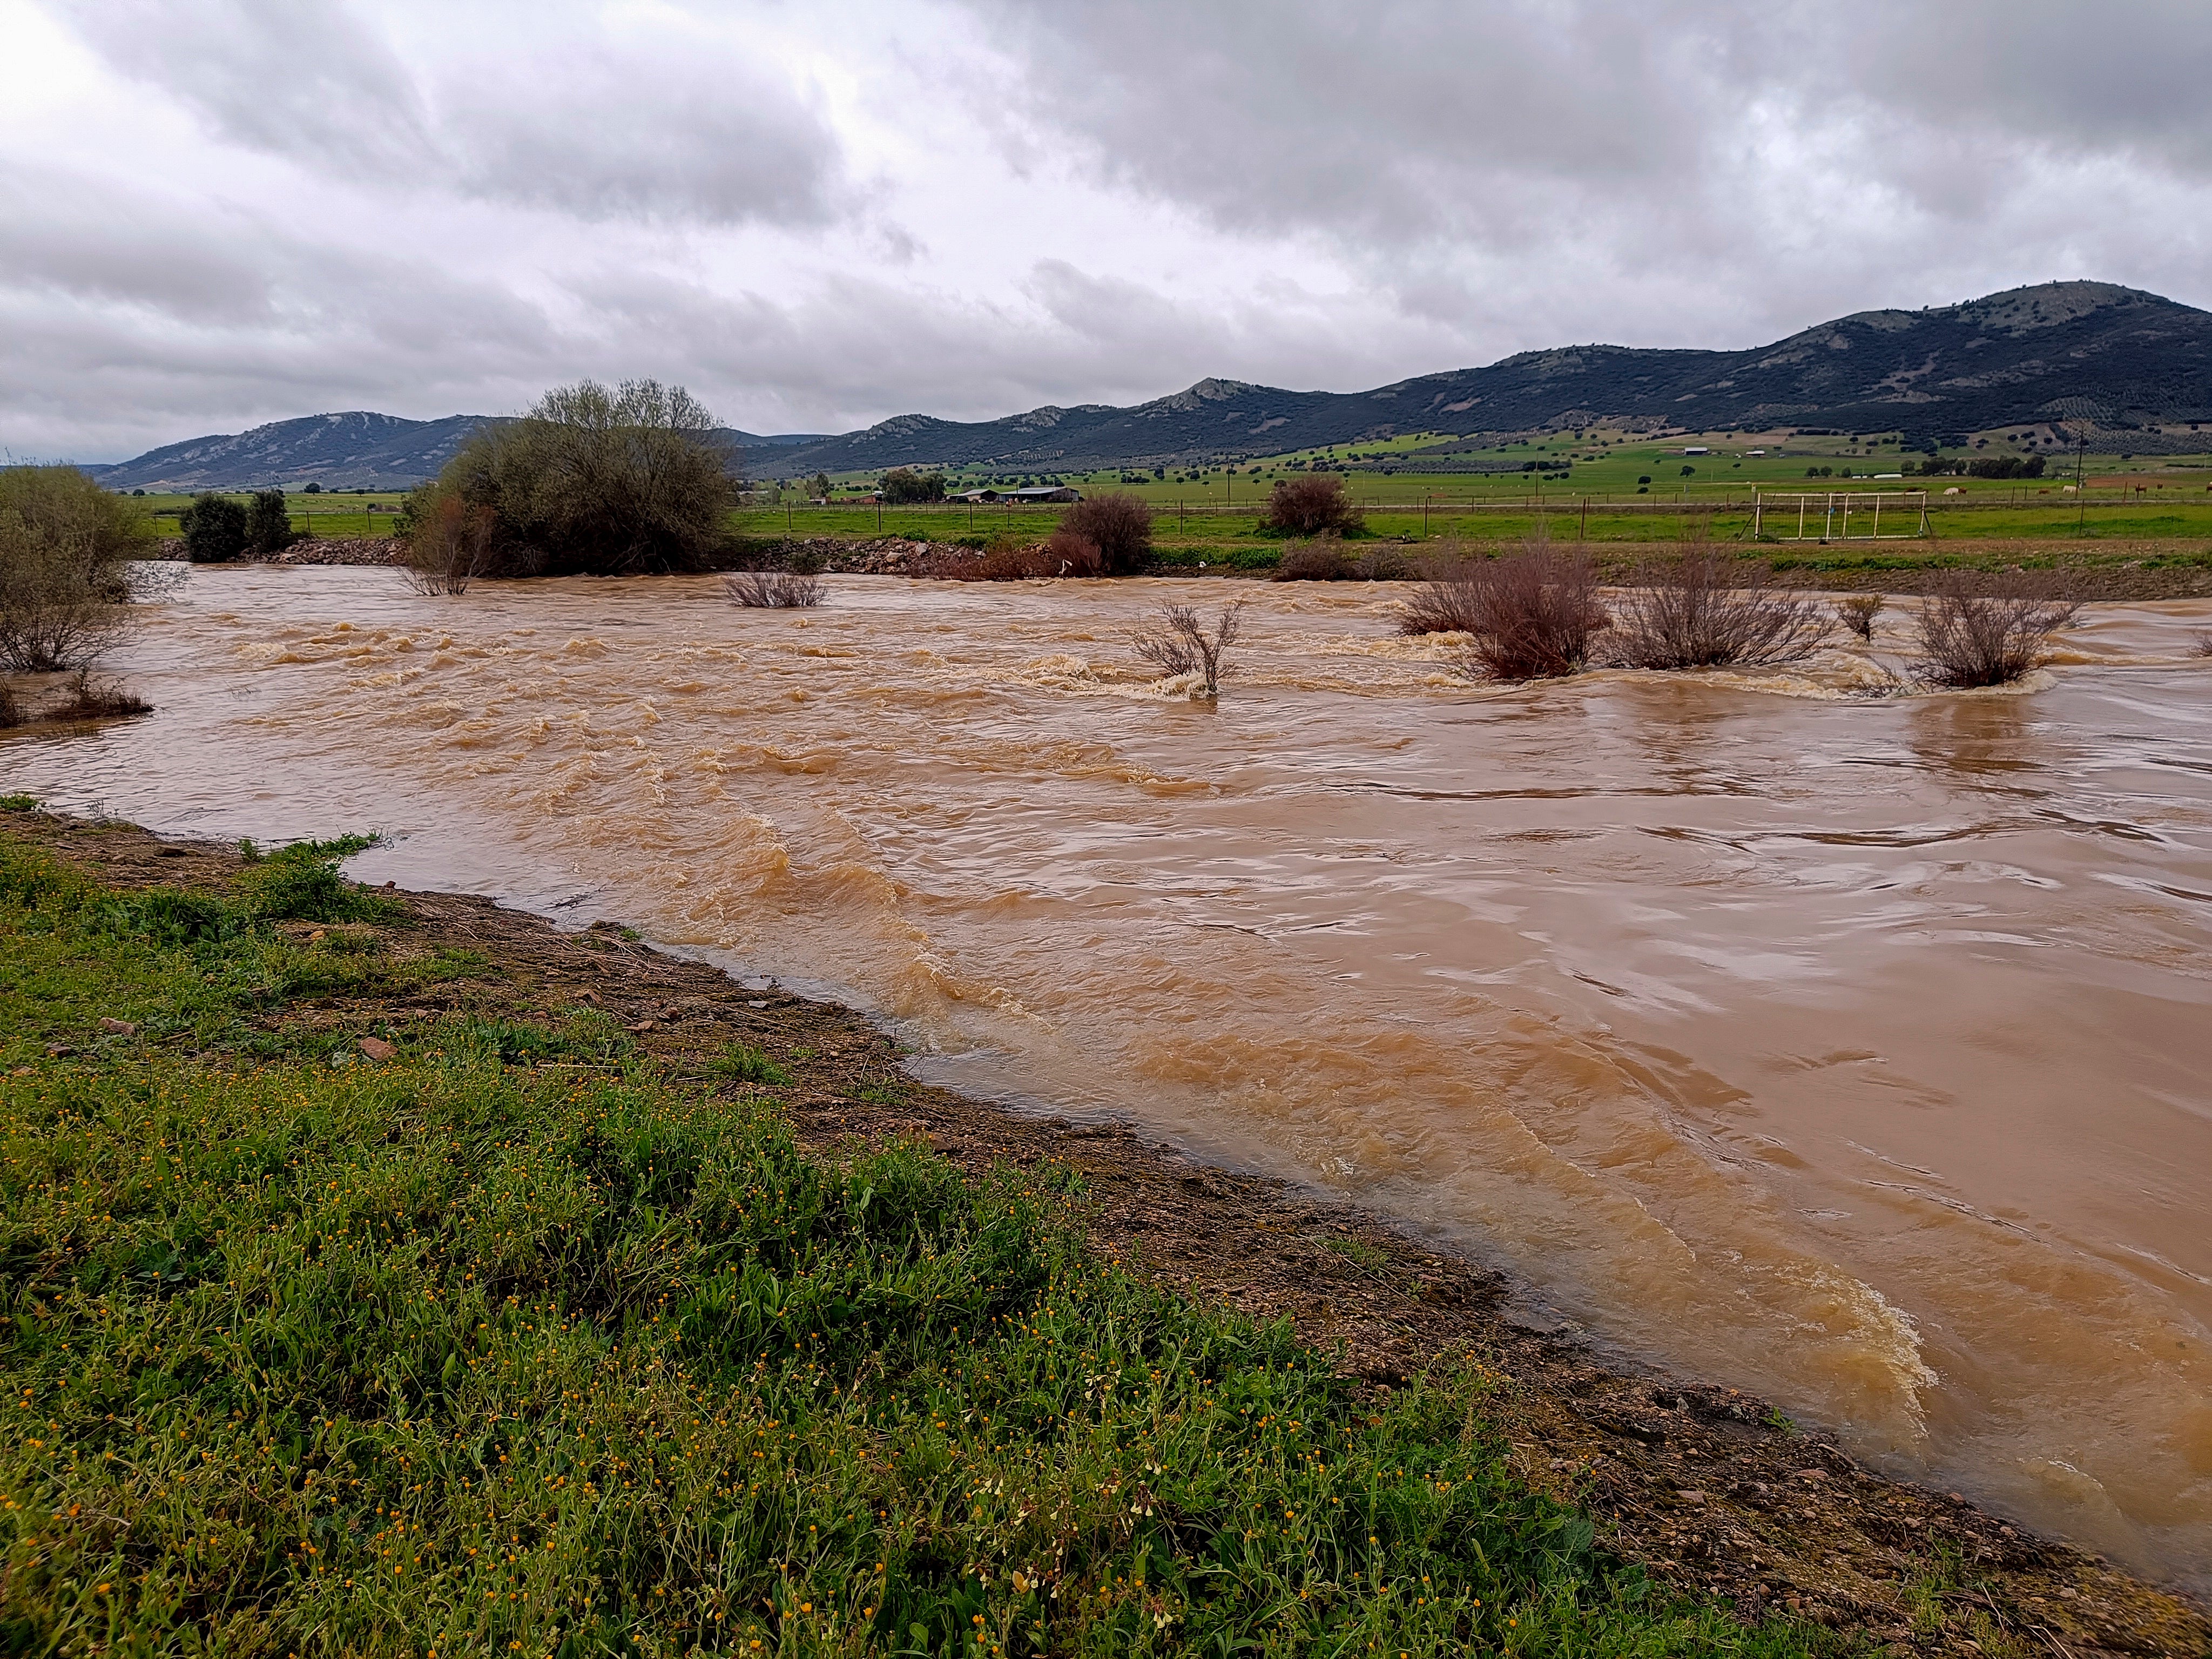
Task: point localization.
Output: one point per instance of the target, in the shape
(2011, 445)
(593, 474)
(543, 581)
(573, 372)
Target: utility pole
(2081, 497)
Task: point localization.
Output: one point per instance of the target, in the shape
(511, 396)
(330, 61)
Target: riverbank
(1711, 1491)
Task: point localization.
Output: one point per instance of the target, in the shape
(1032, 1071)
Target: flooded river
(1853, 1050)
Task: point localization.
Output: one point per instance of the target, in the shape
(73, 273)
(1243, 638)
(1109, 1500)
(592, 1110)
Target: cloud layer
(219, 212)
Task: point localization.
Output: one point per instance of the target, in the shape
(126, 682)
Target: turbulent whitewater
(1850, 1048)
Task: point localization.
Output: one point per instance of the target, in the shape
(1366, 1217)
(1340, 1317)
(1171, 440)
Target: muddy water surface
(1853, 1050)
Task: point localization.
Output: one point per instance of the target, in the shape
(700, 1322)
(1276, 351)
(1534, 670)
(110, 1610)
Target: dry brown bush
(11, 711)
(1182, 646)
(1068, 552)
(1858, 611)
(1322, 559)
(1308, 505)
(1532, 614)
(774, 590)
(84, 698)
(1118, 525)
(1444, 602)
(1382, 564)
(1706, 611)
(2205, 645)
(1988, 628)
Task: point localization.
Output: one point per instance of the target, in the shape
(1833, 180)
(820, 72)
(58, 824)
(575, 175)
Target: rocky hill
(2132, 366)
(356, 450)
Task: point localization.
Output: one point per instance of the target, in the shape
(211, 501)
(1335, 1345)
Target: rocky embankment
(317, 550)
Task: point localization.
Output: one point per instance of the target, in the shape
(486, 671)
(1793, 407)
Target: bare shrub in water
(1320, 560)
(1858, 611)
(2205, 645)
(1987, 627)
(1706, 611)
(66, 579)
(449, 546)
(1531, 615)
(774, 590)
(1182, 646)
(11, 712)
(84, 698)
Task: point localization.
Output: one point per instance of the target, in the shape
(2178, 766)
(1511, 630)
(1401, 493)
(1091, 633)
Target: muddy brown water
(1849, 1047)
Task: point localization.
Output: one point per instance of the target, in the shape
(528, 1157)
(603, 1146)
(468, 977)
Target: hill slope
(353, 451)
(2119, 359)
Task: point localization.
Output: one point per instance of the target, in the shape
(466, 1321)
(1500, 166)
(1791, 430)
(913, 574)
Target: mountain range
(2127, 365)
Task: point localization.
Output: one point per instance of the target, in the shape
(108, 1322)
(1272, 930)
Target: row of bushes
(1537, 613)
(216, 529)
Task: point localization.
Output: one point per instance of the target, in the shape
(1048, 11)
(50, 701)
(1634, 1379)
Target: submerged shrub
(592, 482)
(1858, 611)
(1706, 611)
(772, 590)
(214, 528)
(449, 545)
(1987, 627)
(1308, 505)
(85, 698)
(1182, 646)
(1531, 615)
(1318, 560)
(1119, 524)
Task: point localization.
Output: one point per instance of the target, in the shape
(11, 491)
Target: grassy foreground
(517, 1342)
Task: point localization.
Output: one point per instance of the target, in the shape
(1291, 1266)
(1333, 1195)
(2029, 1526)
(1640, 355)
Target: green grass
(478, 1351)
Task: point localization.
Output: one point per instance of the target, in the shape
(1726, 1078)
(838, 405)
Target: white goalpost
(1827, 515)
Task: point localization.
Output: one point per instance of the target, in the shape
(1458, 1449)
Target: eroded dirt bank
(1708, 1487)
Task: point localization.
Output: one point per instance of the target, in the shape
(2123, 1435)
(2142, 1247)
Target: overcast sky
(214, 213)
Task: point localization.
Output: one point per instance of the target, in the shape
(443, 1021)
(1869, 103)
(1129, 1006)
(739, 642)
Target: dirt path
(1707, 1486)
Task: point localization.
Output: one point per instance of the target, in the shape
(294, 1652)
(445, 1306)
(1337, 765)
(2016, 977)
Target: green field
(1213, 513)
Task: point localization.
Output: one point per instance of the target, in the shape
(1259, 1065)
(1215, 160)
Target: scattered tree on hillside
(818, 486)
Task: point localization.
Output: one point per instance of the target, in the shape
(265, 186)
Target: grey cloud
(310, 81)
(1615, 145)
(643, 121)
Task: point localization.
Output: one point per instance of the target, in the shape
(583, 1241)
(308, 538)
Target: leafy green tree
(902, 485)
(65, 580)
(269, 525)
(818, 486)
(594, 480)
(214, 528)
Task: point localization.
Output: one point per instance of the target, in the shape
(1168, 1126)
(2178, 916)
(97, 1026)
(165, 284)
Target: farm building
(1032, 494)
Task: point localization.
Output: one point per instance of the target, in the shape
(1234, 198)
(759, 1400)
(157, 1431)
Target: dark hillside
(2136, 368)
